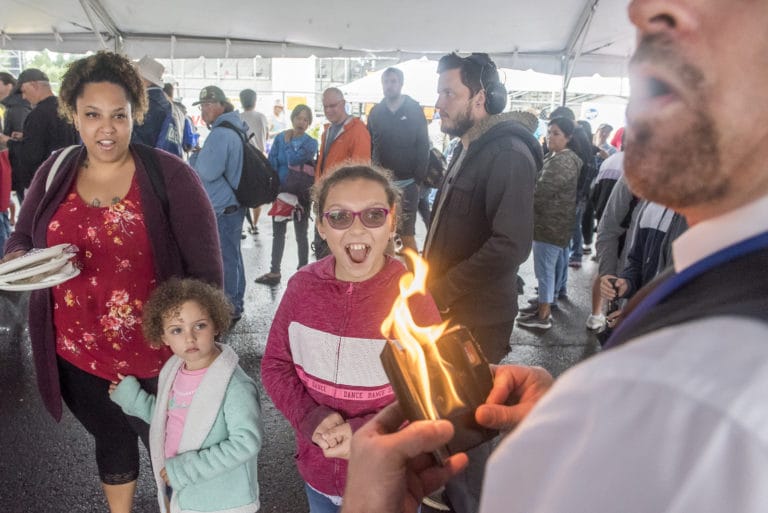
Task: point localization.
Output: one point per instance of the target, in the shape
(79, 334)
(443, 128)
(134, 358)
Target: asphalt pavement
(50, 468)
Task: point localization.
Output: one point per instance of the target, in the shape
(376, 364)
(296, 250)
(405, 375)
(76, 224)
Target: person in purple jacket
(102, 199)
(321, 366)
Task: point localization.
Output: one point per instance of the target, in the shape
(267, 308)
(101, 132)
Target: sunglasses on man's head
(373, 217)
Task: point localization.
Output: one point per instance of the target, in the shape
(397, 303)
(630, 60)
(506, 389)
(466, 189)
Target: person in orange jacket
(345, 140)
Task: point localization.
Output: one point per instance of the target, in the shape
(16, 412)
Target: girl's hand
(321, 436)
(164, 476)
(342, 435)
(113, 385)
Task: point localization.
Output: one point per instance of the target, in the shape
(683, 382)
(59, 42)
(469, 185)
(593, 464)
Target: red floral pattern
(98, 313)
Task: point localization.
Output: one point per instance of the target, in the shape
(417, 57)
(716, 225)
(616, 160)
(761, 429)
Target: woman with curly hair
(139, 217)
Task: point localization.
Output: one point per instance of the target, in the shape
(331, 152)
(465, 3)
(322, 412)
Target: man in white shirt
(673, 419)
(258, 126)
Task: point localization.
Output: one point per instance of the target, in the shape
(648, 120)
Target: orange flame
(419, 342)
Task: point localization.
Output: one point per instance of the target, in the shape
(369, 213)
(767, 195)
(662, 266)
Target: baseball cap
(211, 94)
(30, 75)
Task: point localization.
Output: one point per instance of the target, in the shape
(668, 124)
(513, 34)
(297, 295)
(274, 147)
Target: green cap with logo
(211, 94)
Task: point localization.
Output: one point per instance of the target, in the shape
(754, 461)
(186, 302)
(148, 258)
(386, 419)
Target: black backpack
(259, 182)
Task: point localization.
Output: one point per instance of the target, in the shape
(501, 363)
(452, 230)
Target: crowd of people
(665, 420)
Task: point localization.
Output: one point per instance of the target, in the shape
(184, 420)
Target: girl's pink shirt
(182, 392)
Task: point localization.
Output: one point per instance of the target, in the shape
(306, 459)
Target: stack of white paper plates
(39, 268)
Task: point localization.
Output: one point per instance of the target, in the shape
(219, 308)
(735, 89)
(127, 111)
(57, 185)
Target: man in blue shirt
(219, 164)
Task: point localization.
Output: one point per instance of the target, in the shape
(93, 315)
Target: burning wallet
(459, 380)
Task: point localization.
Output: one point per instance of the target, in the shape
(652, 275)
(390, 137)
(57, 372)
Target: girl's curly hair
(102, 67)
(167, 299)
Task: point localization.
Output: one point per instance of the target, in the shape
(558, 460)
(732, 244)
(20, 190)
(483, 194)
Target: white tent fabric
(421, 83)
(545, 35)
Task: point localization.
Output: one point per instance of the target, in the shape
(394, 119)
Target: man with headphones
(482, 227)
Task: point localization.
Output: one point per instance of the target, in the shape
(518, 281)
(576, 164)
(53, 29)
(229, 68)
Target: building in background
(294, 81)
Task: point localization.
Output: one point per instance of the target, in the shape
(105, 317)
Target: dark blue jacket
(159, 107)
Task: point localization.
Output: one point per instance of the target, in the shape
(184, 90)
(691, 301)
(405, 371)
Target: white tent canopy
(421, 83)
(546, 35)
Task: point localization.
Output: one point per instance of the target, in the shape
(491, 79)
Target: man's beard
(459, 124)
(675, 166)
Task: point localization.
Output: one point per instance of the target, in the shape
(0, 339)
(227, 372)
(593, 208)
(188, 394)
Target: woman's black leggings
(115, 433)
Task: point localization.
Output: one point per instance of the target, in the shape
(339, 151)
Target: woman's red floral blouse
(97, 315)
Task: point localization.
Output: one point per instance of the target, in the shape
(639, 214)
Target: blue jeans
(409, 206)
(545, 258)
(319, 503)
(230, 227)
(561, 272)
(5, 229)
(425, 204)
(300, 227)
(577, 251)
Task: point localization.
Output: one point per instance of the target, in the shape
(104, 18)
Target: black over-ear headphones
(495, 92)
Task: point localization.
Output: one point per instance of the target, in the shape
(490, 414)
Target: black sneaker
(534, 321)
(270, 279)
(533, 306)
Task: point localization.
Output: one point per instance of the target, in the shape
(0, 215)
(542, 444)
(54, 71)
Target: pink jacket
(322, 356)
(5, 183)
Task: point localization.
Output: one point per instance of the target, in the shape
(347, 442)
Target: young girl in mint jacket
(205, 422)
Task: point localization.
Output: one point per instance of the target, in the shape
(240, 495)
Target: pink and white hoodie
(322, 356)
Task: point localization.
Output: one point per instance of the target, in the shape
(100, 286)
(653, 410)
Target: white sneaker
(595, 322)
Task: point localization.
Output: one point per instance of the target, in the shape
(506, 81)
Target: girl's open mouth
(357, 252)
